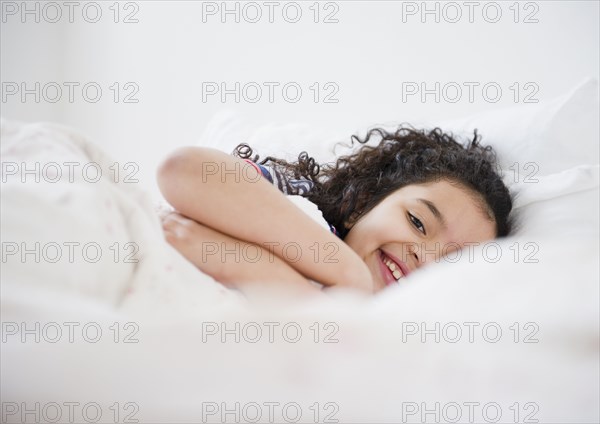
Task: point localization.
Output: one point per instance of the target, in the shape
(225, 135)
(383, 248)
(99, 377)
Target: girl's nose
(424, 253)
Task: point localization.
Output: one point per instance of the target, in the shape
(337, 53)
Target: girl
(392, 208)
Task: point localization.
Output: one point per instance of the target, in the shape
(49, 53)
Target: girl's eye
(417, 223)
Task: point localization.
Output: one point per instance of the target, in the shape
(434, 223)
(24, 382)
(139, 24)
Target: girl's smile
(392, 267)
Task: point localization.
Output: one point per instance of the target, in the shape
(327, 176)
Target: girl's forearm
(234, 263)
(228, 195)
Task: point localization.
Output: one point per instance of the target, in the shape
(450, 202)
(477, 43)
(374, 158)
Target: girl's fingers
(162, 210)
(177, 219)
(181, 228)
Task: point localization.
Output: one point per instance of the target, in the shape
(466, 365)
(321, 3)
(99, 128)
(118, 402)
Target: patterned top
(278, 180)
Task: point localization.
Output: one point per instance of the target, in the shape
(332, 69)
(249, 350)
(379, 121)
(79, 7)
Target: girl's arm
(234, 263)
(228, 194)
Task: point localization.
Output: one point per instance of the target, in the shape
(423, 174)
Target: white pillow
(559, 206)
(554, 135)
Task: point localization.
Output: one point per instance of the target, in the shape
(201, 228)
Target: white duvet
(507, 333)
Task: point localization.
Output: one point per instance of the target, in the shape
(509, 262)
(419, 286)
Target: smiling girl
(391, 209)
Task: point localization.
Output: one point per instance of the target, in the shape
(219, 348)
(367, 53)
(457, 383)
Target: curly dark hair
(353, 185)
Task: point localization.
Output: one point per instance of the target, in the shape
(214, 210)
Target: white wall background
(369, 53)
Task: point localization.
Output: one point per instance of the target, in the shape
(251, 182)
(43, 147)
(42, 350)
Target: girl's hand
(263, 271)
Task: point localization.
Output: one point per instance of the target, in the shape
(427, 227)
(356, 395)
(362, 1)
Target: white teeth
(393, 268)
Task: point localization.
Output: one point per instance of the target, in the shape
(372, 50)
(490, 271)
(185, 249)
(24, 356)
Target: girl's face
(416, 225)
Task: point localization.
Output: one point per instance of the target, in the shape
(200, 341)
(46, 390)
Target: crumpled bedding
(86, 218)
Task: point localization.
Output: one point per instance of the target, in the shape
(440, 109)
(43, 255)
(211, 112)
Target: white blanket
(482, 337)
(73, 203)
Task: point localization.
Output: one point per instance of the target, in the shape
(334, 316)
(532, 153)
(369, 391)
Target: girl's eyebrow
(435, 211)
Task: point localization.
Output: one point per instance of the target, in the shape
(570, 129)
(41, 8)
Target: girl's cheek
(396, 233)
(379, 234)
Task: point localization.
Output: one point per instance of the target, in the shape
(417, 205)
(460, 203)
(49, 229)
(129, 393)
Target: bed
(102, 321)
